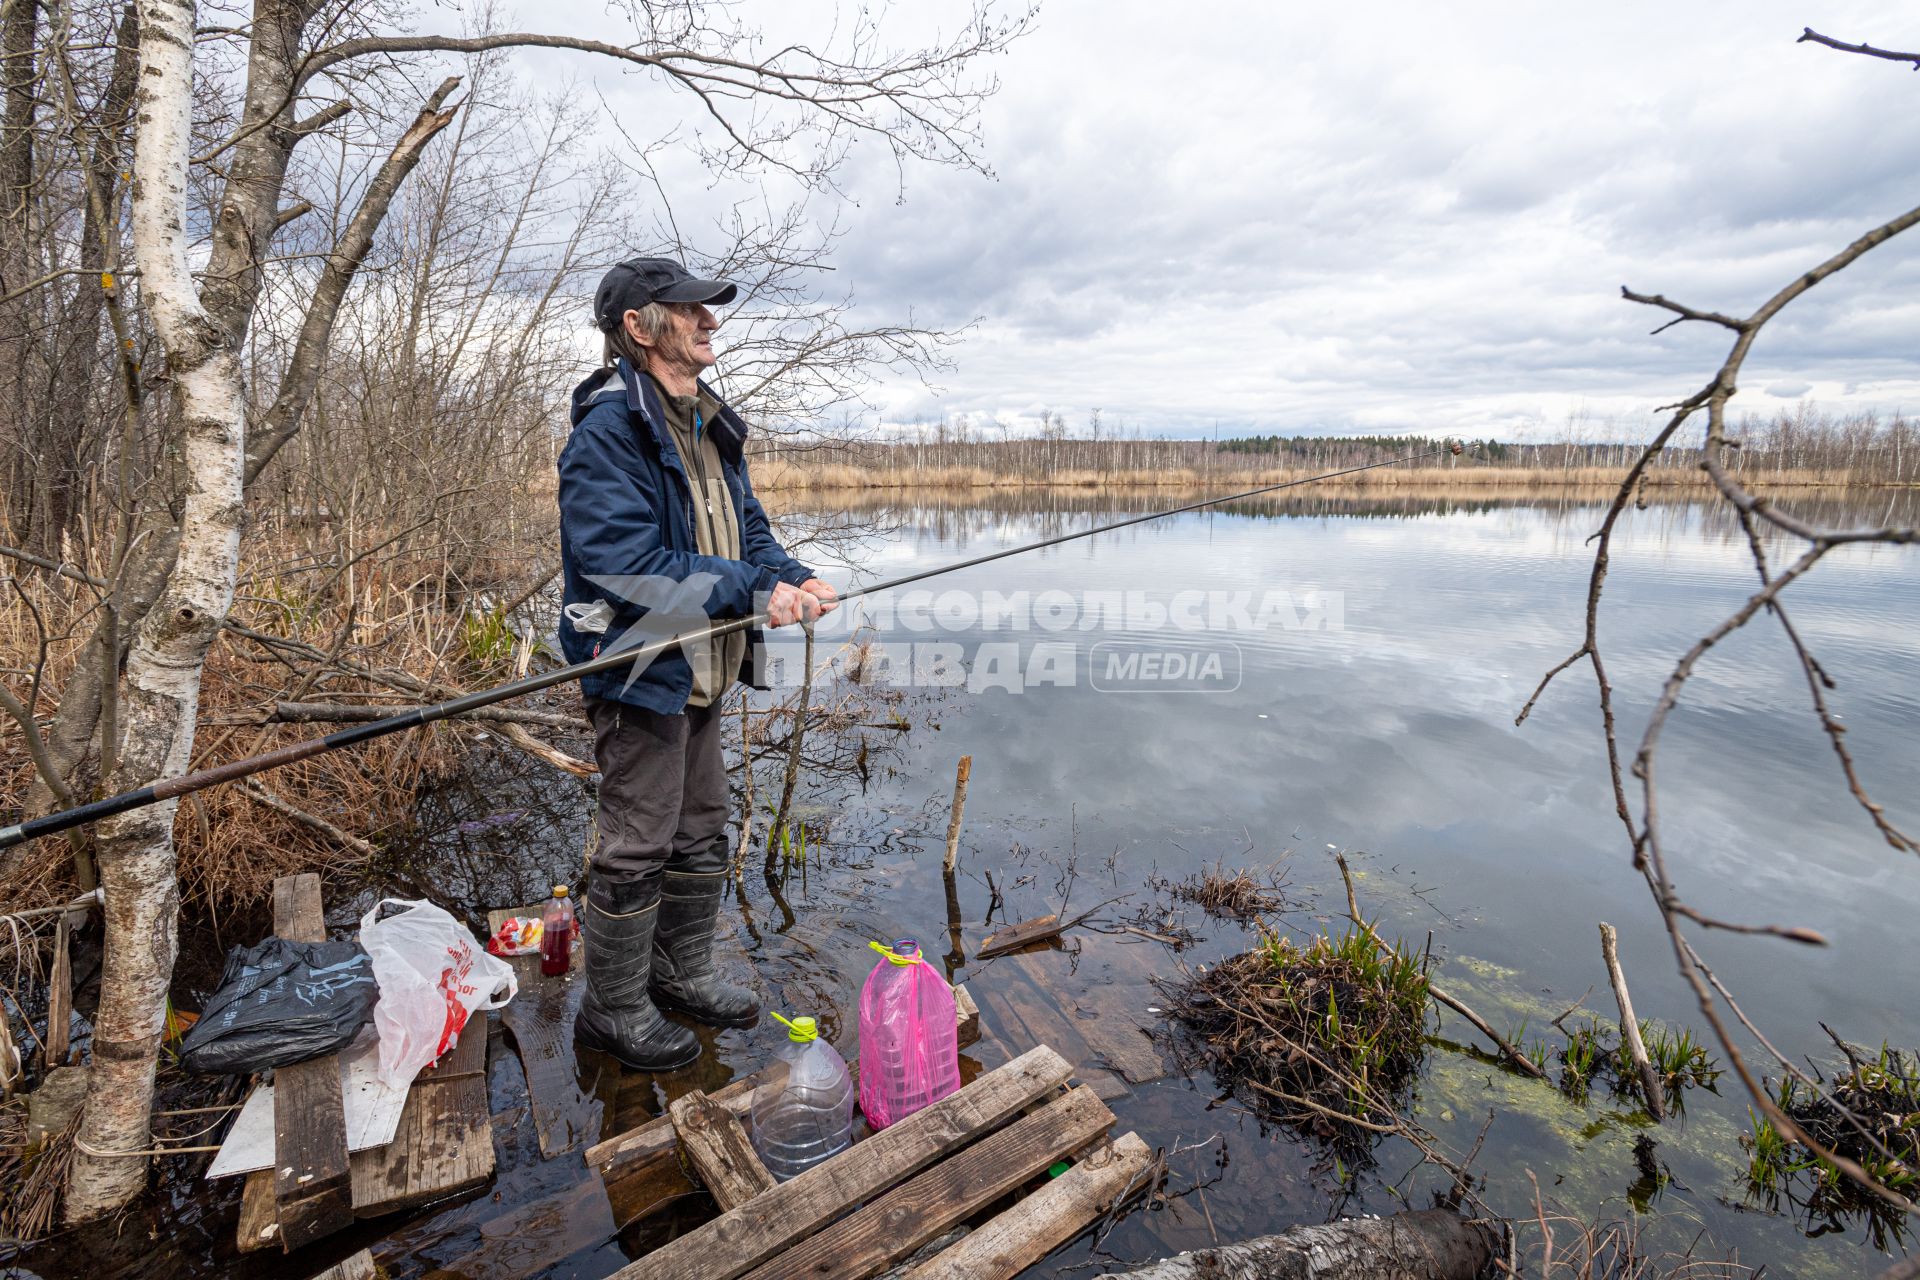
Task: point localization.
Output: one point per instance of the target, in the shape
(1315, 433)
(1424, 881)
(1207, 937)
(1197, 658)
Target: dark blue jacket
(626, 508)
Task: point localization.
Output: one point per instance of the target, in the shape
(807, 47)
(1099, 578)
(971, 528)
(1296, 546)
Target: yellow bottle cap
(800, 1030)
(559, 891)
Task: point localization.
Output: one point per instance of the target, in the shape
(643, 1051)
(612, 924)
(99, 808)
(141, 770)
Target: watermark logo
(1155, 666)
(1175, 642)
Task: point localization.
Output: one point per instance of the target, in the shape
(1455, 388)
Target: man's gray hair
(653, 322)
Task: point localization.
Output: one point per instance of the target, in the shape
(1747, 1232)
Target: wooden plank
(641, 1167)
(530, 1239)
(1019, 1237)
(1030, 1016)
(893, 1226)
(1091, 1029)
(372, 1109)
(425, 1162)
(59, 999)
(1015, 936)
(444, 1146)
(718, 1149)
(540, 1019)
(313, 1183)
(1099, 1016)
(967, 1014)
(358, 1267)
(259, 1221)
(745, 1237)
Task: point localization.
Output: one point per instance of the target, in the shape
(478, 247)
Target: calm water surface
(1394, 736)
(1390, 736)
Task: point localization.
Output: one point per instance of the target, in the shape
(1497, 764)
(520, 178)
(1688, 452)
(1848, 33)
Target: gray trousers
(663, 789)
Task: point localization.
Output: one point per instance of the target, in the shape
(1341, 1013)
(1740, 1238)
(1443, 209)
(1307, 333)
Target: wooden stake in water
(1629, 1027)
(959, 804)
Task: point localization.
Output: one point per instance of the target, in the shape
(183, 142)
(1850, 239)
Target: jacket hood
(622, 383)
(601, 383)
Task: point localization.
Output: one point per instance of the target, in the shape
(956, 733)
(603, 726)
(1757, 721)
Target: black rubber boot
(616, 1015)
(684, 976)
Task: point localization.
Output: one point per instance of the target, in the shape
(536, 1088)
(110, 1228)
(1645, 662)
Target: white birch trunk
(161, 688)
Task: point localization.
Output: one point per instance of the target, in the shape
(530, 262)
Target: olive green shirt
(715, 531)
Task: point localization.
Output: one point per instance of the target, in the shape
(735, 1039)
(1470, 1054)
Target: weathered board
(894, 1225)
(313, 1184)
(1098, 1017)
(1016, 1238)
(357, 1267)
(59, 998)
(259, 1221)
(513, 1244)
(717, 1148)
(444, 1143)
(540, 1019)
(372, 1110)
(967, 1015)
(1015, 936)
(1024, 1019)
(747, 1236)
(641, 1167)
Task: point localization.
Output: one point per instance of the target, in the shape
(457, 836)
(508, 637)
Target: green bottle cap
(1059, 1167)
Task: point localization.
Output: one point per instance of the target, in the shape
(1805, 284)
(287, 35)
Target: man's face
(688, 341)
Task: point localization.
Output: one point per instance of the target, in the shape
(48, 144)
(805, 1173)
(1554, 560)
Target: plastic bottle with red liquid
(556, 937)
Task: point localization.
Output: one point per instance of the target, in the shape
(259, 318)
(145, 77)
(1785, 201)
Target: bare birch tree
(168, 477)
(161, 687)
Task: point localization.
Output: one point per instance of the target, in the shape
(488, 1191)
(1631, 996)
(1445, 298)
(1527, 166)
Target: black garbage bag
(282, 1002)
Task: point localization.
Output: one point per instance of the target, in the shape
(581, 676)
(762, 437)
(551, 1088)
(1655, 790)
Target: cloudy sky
(1398, 216)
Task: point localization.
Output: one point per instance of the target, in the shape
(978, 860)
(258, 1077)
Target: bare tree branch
(310, 354)
(1809, 35)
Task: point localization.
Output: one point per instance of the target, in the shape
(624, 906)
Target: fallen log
(1427, 1244)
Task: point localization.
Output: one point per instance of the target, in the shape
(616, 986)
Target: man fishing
(660, 531)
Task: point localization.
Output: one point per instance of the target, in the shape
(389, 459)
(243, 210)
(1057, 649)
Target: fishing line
(200, 780)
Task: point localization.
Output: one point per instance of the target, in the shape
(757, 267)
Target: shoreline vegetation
(775, 474)
(1803, 448)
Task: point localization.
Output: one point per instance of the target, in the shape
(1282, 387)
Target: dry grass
(1556, 1245)
(31, 1186)
(1327, 1036)
(1230, 895)
(389, 612)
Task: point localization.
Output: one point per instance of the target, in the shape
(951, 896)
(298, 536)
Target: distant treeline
(1803, 445)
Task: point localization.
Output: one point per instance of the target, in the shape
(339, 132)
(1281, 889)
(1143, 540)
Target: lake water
(1369, 708)
(1378, 717)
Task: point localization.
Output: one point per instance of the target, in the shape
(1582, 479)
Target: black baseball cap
(632, 284)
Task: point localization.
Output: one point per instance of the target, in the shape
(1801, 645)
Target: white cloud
(1403, 216)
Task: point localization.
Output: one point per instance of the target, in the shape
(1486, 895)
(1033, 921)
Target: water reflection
(1392, 736)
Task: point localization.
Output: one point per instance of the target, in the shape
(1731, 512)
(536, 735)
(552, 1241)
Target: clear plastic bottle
(556, 934)
(909, 1054)
(804, 1115)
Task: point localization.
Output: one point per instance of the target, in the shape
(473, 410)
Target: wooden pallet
(444, 1144)
(855, 1215)
(642, 1167)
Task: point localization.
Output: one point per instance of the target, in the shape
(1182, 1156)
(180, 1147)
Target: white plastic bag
(433, 976)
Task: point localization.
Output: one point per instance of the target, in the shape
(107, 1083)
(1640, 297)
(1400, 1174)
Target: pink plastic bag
(909, 1055)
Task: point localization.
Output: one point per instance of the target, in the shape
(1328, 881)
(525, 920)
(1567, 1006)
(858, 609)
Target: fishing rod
(200, 780)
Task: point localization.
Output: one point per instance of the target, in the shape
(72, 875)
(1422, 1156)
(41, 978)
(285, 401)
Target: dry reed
(397, 615)
(776, 474)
